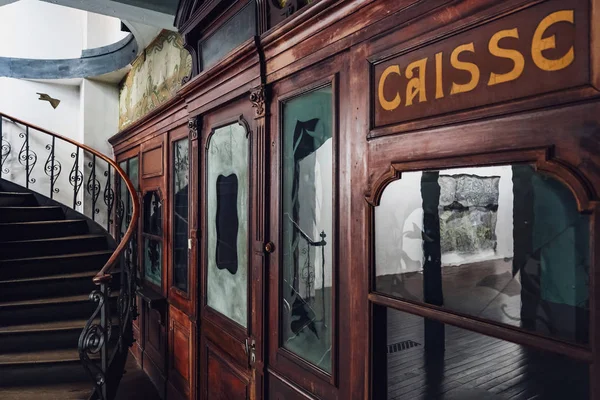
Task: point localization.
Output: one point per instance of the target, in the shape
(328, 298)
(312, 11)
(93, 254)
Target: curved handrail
(104, 275)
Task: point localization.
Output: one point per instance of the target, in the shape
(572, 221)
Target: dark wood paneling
(368, 32)
(279, 389)
(152, 162)
(450, 87)
(180, 352)
(225, 381)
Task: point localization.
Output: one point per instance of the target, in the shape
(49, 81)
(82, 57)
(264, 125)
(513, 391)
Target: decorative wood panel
(180, 351)
(282, 390)
(152, 162)
(225, 381)
(542, 45)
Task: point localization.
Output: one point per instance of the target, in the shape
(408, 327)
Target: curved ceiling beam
(93, 62)
(117, 9)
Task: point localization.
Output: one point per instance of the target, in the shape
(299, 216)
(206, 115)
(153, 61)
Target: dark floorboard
(135, 384)
(476, 367)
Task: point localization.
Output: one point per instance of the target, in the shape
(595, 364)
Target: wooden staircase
(48, 258)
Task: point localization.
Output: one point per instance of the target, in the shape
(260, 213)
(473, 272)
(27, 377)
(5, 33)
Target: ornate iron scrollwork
(76, 178)
(94, 338)
(27, 157)
(93, 186)
(6, 149)
(109, 198)
(52, 168)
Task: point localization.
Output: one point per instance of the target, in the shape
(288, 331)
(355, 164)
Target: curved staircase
(66, 308)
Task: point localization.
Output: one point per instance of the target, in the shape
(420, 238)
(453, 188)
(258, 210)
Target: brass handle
(269, 247)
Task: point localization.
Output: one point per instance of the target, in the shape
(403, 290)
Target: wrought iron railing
(90, 175)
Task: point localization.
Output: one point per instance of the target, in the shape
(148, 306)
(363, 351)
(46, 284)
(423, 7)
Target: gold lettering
(540, 44)
(514, 55)
(439, 84)
(385, 104)
(416, 85)
(464, 66)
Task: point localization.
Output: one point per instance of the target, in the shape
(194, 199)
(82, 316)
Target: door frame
(220, 338)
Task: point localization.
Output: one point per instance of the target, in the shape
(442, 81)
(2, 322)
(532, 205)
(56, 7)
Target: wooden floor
(135, 384)
(475, 367)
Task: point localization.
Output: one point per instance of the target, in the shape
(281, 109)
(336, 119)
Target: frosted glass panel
(307, 224)
(503, 243)
(227, 186)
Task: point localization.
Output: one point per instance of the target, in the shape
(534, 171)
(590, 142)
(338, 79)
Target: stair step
(51, 285)
(17, 231)
(43, 336)
(71, 391)
(52, 246)
(17, 199)
(41, 367)
(28, 214)
(53, 265)
(43, 327)
(49, 309)
(37, 357)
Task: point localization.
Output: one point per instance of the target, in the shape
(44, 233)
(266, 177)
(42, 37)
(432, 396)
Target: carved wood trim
(542, 158)
(257, 98)
(193, 128)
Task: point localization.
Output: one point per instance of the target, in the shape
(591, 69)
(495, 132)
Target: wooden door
(305, 277)
(230, 326)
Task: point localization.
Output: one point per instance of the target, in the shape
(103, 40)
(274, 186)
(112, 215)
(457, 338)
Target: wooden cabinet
(292, 138)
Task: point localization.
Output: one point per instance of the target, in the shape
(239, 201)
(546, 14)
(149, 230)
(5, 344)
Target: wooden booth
(373, 199)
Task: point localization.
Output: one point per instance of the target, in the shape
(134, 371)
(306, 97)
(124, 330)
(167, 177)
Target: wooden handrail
(104, 275)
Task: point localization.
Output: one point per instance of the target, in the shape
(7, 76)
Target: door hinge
(251, 351)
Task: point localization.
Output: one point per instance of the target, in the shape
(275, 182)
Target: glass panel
(152, 214)
(429, 360)
(133, 174)
(307, 224)
(503, 243)
(241, 27)
(153, 261)
(227, 222)
(181, 165)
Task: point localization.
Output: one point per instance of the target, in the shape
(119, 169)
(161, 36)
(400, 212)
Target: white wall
(41, 30)
(100, 116)
(89, 110)
(101, 31)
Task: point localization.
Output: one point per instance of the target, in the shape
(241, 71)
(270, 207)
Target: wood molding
(542, 158)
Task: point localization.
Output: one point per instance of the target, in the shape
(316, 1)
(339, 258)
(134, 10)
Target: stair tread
(44, 326)
(15, 194)
(29, 208)
(59, 238)
(73, 275)
(51, 300)
(56, 221)
(40, 356)
(59, 256)
(64, 391)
